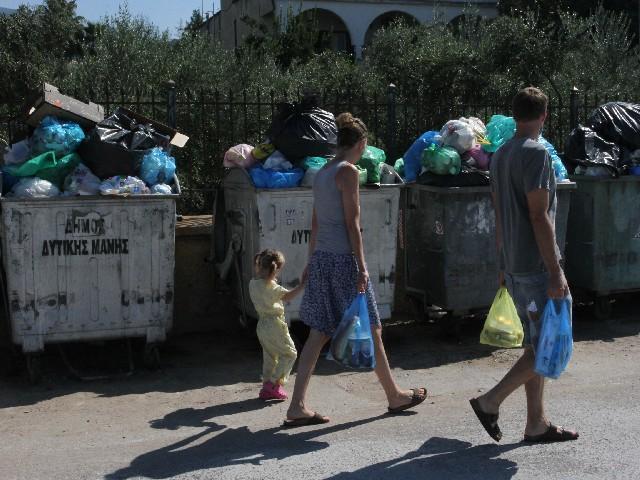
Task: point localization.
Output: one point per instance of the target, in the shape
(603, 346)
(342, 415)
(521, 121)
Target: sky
(166, 14)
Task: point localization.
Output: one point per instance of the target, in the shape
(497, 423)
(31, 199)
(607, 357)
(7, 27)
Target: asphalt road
(198, 417)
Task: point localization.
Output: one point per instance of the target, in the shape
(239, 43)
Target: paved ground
(198, 418)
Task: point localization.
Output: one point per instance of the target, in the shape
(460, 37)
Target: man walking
(524, 195)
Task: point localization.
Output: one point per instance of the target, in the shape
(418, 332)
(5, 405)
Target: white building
(350, 24)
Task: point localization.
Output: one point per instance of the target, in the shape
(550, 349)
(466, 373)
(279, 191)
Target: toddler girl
(279, 351)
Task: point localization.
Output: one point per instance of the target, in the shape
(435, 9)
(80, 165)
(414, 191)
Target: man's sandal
(488, 420)
(553, 434)
(315, 419)
(416, 399)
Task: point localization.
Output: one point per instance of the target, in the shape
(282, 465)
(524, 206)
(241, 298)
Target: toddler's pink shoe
(272, 392)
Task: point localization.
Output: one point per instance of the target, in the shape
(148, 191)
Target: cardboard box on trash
(52, 102)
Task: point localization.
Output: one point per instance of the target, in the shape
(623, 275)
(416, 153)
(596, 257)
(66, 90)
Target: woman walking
(337, 272)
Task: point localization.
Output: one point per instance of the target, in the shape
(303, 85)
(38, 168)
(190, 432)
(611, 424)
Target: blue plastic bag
(558, 166)
(555, 344)
(352, 342)
(59, 136)
(157, 167)
(268, 178)
(413, 156)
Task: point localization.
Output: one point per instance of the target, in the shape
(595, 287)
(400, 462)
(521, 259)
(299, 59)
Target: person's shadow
(230, 447)
(443, 458)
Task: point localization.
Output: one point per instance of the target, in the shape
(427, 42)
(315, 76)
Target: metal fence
(215, 121)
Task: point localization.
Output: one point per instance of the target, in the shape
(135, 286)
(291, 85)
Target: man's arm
(543, 228)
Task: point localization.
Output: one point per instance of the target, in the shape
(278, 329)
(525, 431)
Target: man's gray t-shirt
(519, 167)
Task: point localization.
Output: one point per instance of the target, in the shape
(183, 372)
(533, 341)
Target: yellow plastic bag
(503, 327)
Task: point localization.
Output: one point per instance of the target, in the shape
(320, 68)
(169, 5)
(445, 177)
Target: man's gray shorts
(529, 294)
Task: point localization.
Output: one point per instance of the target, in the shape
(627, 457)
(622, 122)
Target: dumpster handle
(388, 222)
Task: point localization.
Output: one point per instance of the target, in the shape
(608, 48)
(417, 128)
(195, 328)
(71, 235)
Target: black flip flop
(316, 419)
(553, 434)
(416, 399)
(488, 420)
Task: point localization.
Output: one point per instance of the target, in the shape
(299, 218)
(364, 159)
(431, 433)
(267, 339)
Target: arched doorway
(385, 20)
(333, 33)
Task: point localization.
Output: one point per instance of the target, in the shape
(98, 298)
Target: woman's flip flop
(416, 399)
(316, 419)
(553, 434)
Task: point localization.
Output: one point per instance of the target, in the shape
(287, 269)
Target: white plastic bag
(18, 153)
(34, 187)
(239, 156)
(309, 177)
(458, 135)
(277, 161)
(123, 186)
(161, 189)
(81, 182)
(477, 126)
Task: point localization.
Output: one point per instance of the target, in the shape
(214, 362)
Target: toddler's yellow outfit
(278, 350)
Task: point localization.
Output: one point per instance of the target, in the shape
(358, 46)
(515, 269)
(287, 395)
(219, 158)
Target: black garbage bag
(618, 122)
(117, 144)
(303, 130)
(585, 147)
(468, 177)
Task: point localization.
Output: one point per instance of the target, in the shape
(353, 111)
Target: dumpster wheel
(602, 307)
(34, 368)
(151, 357)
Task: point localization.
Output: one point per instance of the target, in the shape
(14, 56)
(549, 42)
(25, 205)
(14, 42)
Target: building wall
(353, 17)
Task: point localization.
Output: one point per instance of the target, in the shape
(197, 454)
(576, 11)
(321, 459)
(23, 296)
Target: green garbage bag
(441, 160)
(313, 162)
(399, 167)
(372, 159)
(363, 175)
(500, 129)
(47, 167)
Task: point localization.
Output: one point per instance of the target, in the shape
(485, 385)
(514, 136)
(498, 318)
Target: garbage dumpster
(603, 238)
(281, 218)
(88, 268)
(450, 250)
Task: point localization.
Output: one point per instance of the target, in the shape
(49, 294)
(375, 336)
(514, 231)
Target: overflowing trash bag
(558, 166)
(586, 148)
(500, 129)
(617, 122)
(239, 156)
(266, 178)
(117, 144)
(478, 127)
(481, 159)
(399, 167)
(303, 130)
(81, 181)
(34, 187)
(59, 136)
(458, 135)
(313, 162)
(441, 160)
(389, 176)
(363, 175)
(161, 189)
(262, 151)
(277, 161)
(18, 153)
(413, 157)
(120, 185)
(503, 327)
(555, 344)
(352, 342)
(468, 177)
(157, 167)
(47, 166)
(372, 160)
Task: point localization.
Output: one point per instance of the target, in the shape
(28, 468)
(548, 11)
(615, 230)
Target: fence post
(573, 108)
(171, 104)
(391, 121)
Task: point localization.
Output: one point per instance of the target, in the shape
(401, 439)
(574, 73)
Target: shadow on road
(443, 458)
(234, 446)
